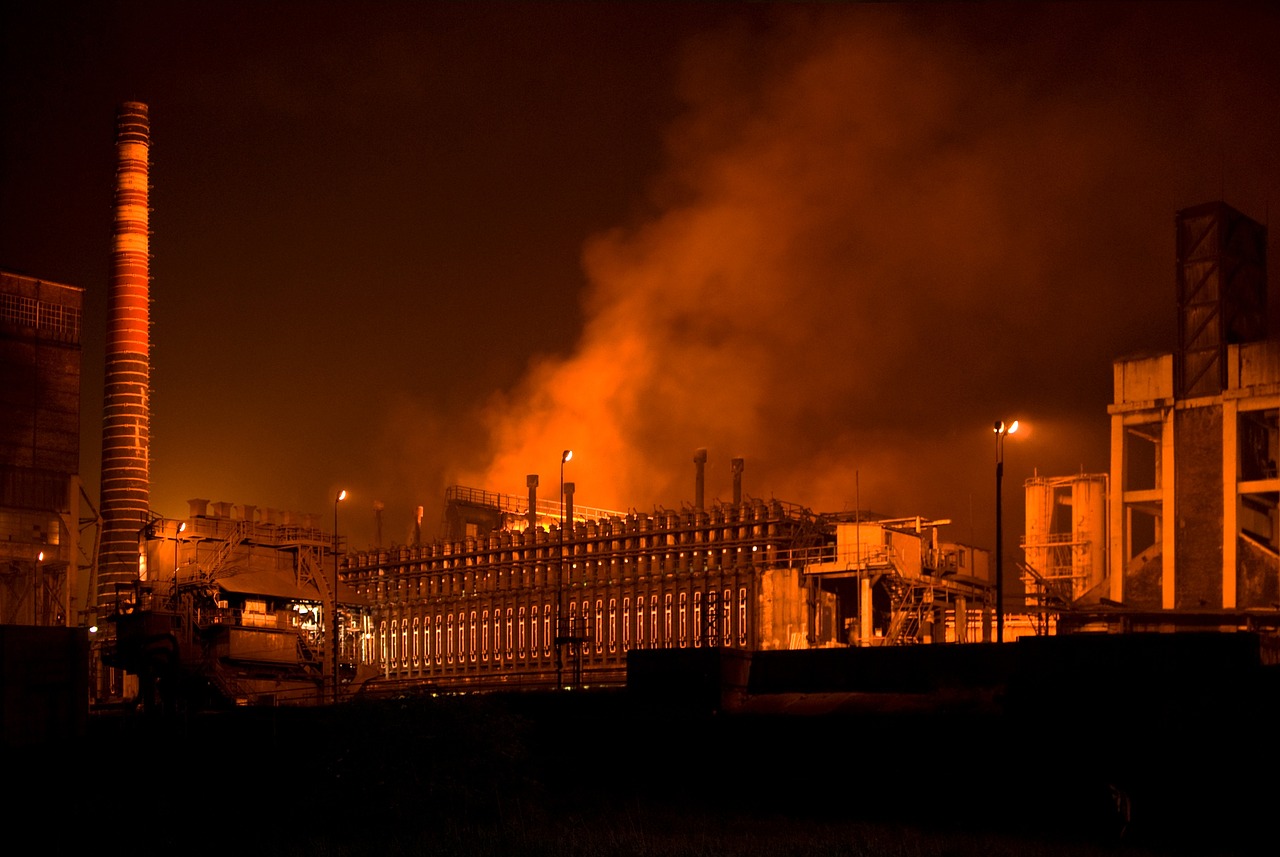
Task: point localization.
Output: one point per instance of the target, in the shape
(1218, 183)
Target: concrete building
(1192, 529)
(46, 521)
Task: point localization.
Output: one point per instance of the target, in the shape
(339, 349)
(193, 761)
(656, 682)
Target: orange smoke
(868, 247)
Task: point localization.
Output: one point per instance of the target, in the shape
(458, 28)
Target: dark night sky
(403, 246)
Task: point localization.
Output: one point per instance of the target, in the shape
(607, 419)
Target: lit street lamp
(1001, 429)
(565, 456)
(342, 495)
(182, 528)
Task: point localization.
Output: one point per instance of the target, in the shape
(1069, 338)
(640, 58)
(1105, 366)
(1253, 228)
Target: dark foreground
(1137, 759)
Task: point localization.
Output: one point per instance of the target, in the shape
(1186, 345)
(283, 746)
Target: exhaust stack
(699, 459)
(737, 465)
(125, 500)
(531, 481)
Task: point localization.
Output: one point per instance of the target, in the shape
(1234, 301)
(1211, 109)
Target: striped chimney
(126, 418)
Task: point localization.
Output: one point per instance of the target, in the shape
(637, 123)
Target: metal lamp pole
(567, 455)
(1001, 429)
(182, 528)
(342, 495)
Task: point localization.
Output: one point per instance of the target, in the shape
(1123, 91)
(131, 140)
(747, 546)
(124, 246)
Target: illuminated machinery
(518, 606)
(231, 607)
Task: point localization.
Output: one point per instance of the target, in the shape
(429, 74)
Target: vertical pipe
(737, 466)
(532, 482)
(125, 490)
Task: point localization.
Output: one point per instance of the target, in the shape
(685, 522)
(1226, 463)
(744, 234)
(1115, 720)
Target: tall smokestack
(700, 459)
(125, 500)
(737, 466)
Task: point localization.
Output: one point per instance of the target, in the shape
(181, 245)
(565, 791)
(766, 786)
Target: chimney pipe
(532, 482)
(737, 466)
(700, 459)
(125, 499)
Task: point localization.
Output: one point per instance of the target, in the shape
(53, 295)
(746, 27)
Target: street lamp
(1001, 429)
(342, 495)
(565, 456)
(182, 528)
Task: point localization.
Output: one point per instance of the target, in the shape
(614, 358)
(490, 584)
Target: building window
(382, 642)
(439, 638)
(417, 642)
(653, 621)
(598, 630)
(546, 630)
(742, 616)
(449, 634)
(666, 620)
(726, 612)
(462, 640)
(471, 637)
(626, 624)
(404, 642)
(697, 619)
(509, 634)
(684, 615)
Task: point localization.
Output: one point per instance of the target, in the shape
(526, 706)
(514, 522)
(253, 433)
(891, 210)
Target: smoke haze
(399, 246)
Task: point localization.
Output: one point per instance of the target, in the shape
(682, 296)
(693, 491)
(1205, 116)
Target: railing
(520, 505)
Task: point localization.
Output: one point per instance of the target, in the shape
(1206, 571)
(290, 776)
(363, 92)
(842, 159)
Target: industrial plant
(236, 605)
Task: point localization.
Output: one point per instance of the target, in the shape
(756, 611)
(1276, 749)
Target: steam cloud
(850, 243)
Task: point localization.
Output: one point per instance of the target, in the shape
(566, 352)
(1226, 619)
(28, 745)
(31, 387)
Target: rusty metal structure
(1065, 544)
(237, 610)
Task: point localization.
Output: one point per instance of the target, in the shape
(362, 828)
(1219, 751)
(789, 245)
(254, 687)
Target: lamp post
(1001, 430)
(182, 528)
(342, 495)
(565, 456)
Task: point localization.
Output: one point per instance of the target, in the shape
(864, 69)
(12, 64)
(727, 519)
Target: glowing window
(520, 627)
(684, 623)
(417, 642)
(598, 631)
(471, 638)
(462, 640)
(626, 624)
(742, 616)
(666, 620)
(449, 634)
(509, 634)
(439, 638)
(653, 620)
(382, 642)
(697, 619)
(404, 642)
(394, 648)
(497, 635)
(726, 609)
(546, 630)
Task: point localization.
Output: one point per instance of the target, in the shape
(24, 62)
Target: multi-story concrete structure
(46, 521)
(1192, 520)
